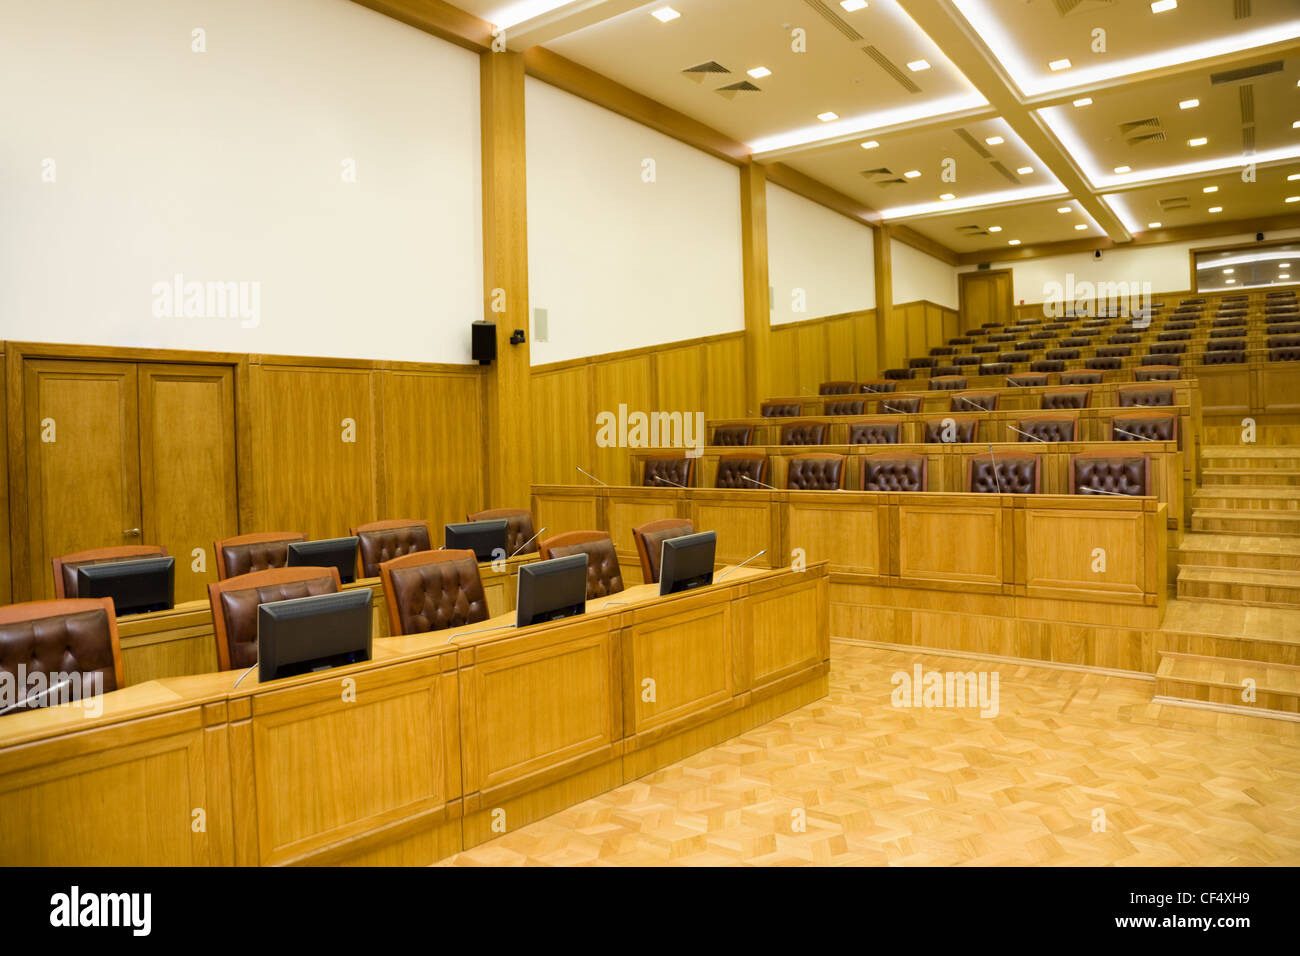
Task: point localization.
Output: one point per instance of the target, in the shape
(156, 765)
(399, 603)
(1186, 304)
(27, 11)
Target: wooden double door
(124, 453)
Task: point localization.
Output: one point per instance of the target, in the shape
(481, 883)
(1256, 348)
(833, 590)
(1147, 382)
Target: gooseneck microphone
(526, 543)
(592, 477)
(1027, 435)
(740, 565)
(754, 481)
(666, 481)
(39, 694)
(996, 480)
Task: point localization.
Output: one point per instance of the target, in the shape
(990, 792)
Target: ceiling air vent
(973, 143)
(699, 71)
(1245, 73)
(886, 64)
(1240, 9)
(882, 171)
(834, 20)
(730, 91)
(972, 231)
(1246, 94)
(1067, 7)
(1248, 138)
(1147, 138)
(1175, 202)
(1151, 122)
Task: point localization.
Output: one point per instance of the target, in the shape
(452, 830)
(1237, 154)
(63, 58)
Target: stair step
(1220, 680)
(1260, 552)
(1247, 497)
(1250, 521)
(1253, 457)
(1246, 585)
(1236, 477)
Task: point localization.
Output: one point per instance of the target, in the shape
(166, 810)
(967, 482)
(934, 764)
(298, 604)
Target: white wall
(618, 262)
(816, 258)
(916, 276)
(226, 166)
(1166, 266)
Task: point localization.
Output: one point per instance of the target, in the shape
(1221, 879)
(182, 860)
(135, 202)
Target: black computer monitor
(313, 633)
(687, 562)
(550, 590)
(136, 587)
(338, 553)
(484, 538)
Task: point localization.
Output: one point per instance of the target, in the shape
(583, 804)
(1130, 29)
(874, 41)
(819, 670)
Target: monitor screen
(487, 539)
(550, 590)
(313, 633)
(136, 587)
(338, 553)
(687, 562)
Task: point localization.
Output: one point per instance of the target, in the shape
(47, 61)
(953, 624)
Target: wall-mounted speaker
(484, 343)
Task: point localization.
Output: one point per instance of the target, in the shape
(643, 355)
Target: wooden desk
(440, 742)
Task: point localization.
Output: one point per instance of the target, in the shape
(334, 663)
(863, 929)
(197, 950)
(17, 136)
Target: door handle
(133, 532)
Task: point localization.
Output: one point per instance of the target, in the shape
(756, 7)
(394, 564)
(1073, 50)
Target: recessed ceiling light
(1154, 225)
(1296, 125)
(664, 14)
(1284, 265)
(1293, 198)
(828, 116)
(1082, 225)
(1293, 177)
(946, 196)
(1065, 209)
(1188, 104)
(1160, 6)
(1229, 281)
(870, 144)
(759, 72)
(1210, 189)
(1199, 141)
(912, 173)
(1216, 209)
(1123, 169)
(994, 140)
(1013, 242)
(1085, 101)
(1058, 65)
(916, 66)
(853, 5)
(995, 228)
(1228, 272)
(1284, 275)
(1024, 170)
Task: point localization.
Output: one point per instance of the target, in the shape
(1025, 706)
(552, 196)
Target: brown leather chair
(849, 406)
(811, 433)
(668, 472)
(1066, 398)
(1157, 368)
(1149, 426)
(780, 410)
(1007, 474)
(519, 528)
(254, 552)
(69, 636)
(1047, 428)
(1093, 473)
(947, 383)
(1224, 357)
(875, 433)
(817, 472)
(894, 472)
(964, 431)
(741, 471)
(1027, 380)
(1132, 396)
(1103, 363)
(899, 405)
(837, 388)
(234, 604)
(974, 402)
(879, 385)
(604, 577)
(432, 591)
(65, 568)
(381, 541)
(1080, 378)
(649, 538)
(733, 435)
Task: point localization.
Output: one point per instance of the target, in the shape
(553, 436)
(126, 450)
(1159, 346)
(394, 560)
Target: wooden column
(888, 331)
(509, 438)
(758, 317)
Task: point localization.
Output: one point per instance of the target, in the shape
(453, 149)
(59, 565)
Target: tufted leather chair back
(1231, 322)
(880, 386)
(668, 472)
(1284, 353)
(519, 528)
(898, 373)
(1080, 378)
(974, 401)
(900, 405)
(604, 577)
(1046, 429)
(1013, 358)
(836, 388)
(995, 368)
(734, 469)
(254, 552)
(234, 603)
(1284, 341)
(1225, 357)
(1028, 380)
(1157, 373)
(1066, 354)
(649, 538)
(964, 430)
(1114, 351)
(1153, 396)
(381, 541)
(875, 433)
(1093, 473)
(942, 371)
(1008, 474)
(968, 359)
(780, 410)
(854, 406)
(1066, 398)
(812, 433)
(432, 591)
(1168, 348)
(1152, 427)
(1002, 337)
(1076, 341)
(1047, 365)
(894, 473)
(1291, 328)
(931, 361)
(1225, 345)
(1123, 338)
(731, 435)
(65, 568)
(948, 383)
(65, 637)
(961, 340)
(1176, 335)
(815, 473)
(982, 349)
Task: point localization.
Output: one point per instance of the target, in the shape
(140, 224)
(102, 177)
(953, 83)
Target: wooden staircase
(1272, 689)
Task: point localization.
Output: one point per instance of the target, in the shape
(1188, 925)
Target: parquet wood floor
(884, 785)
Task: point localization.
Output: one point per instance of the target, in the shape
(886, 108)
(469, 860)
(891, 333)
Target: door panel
(187, 466)
(986, 297)
(83, 487)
